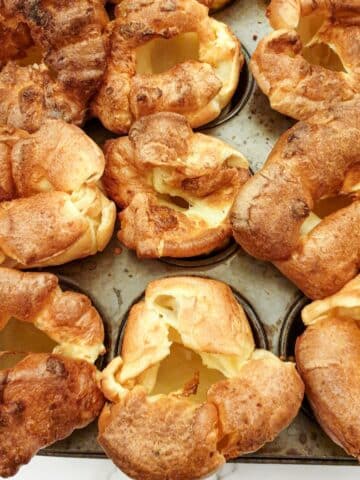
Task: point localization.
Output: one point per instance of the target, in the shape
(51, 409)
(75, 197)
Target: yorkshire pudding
(273, 215)
(167, 56)
(328, 359)
(65, 65)
(312, 59)
(45, 396)
(52, 210)
(214, 5)
(189, 391)
(176, 187)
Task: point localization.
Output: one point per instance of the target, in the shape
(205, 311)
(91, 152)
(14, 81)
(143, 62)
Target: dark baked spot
(37, 15)
(16, 408)
(29, 95)
(190, 183)
(135, 29)
(56, 367)
(299, 209)
(163, 218)
(147, 95)
(291, 137)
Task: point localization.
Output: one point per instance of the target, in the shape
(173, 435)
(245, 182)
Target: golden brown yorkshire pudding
(301, 210)
(214, 5)
(44, 396)
(312, 59)
(328, 358)
(167, 56)
(63, 69)
(176, 187)
(189, 391)
(52, 210)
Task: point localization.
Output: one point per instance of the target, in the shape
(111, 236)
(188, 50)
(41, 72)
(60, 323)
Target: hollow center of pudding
(177, 202)
(184, 370)
(321, 54)
(159, 55)
(18, 339)
(318, 53)
(308, 26)
(324, 208)
(32, 55)
(329, 205)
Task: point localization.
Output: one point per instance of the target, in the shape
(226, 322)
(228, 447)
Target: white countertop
(45, 468)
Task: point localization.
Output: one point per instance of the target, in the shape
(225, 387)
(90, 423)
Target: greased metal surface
(115, 281)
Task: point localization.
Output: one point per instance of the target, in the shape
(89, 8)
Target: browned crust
(303, 168)
(330, 255)
(287, 13)
(214, 5)
(173, 438)
(257, 405)
(149, 225)
(28, 95)
(176, 90)
(126, 96)
(154, 227)
(54, 227)
(158, 231)
(23, 295)
(59, 154)
(43, 399)
(177, 439)
(8, 139)
(36, 297)
(52, 209)
(294, 86)
(337, 9)
(328, 357)
(284, 13)
(70, 36)
(170, 436)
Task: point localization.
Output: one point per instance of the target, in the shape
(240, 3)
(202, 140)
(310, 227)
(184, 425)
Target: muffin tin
(115, 281)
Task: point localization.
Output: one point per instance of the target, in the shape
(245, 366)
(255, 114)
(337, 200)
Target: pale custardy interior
(196, 208)
(342, 305)
(17, 339)
(221, 53)
(20, 338)
(314, 51)
(323, 55)
(159, 55)
(182, 367)
(322, 209)
(346, 308)
(183, 371)
(308, 26)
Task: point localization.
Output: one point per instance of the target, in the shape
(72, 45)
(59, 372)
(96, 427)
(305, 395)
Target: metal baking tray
(114, 282)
